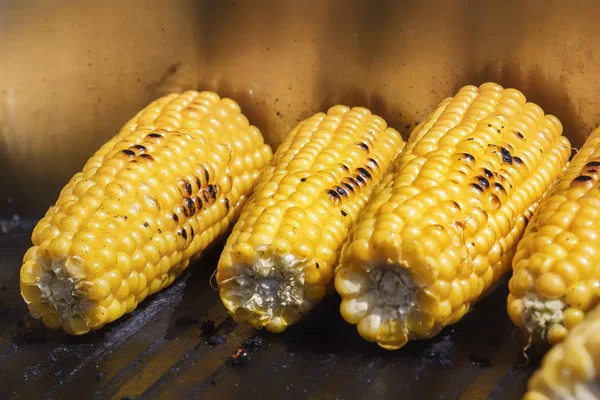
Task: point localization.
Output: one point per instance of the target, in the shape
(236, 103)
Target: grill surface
(171, 347)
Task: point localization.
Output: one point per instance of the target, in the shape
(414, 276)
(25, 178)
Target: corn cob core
(443, 227)
(571, 369)
(146, 204)
(278, 261)
(556, 279)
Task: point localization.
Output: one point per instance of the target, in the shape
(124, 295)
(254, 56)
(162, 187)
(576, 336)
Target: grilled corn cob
(147, 203)
(279, 259)
(443, 227)
(556, 279)
(571, 369)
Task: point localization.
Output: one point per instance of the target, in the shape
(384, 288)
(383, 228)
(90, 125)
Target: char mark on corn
(555, 280)
(442, 228)
(132, 220)
(279, 259)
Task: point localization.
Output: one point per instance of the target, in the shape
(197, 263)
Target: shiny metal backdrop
(72, 72)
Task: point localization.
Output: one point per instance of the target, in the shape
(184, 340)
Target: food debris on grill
(479, 361)
(207, 326)
(240, 356)
(217, 340)
(27, 333)
(253, 343)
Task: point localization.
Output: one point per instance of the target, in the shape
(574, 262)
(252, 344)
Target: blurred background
(72, 72)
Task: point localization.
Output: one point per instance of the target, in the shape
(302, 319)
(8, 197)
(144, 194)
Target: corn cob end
(57, 296)
(268, 291)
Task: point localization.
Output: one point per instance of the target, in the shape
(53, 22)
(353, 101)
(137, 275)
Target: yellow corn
(279, 259)
(146, 204)
(443, 227)
(556, 279)
(571, 369)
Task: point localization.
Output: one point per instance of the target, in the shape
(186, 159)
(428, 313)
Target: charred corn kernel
(560, 252)
(279, 259)
(155, 196)
(460, 196)
(570, 369)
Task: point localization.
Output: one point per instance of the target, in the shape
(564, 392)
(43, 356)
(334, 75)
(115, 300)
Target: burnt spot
(353, 181)
(487, 173)
(138, 147)
(583, 178)
(468, 157)
(205, 196)
(506, 157)
(344, 213)
(592, 164)
(348, 186)
(192, 231)
(206, 175)
(476, 186)
(188, 188)
(455, 205)
(212, 191)
(226, 201)
(341, 191)
(189, 204)
(146, 224)
(334, 195)
(363, 146)
(198, 203)
(303, 179)
(184, 234)
(364, 173)
(499, 187)
(372, 163)
(345, 167)
(130, 153)
(526, 219)
(147, 156)
(519, 135)
(361, 180)
(186, 212)
(518, 160)
(154, 135)
(483, 182)
(176, 217)
(317, 265)
(198, 183)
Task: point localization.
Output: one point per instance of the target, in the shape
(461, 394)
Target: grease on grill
(217, 340)
(479, 361)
